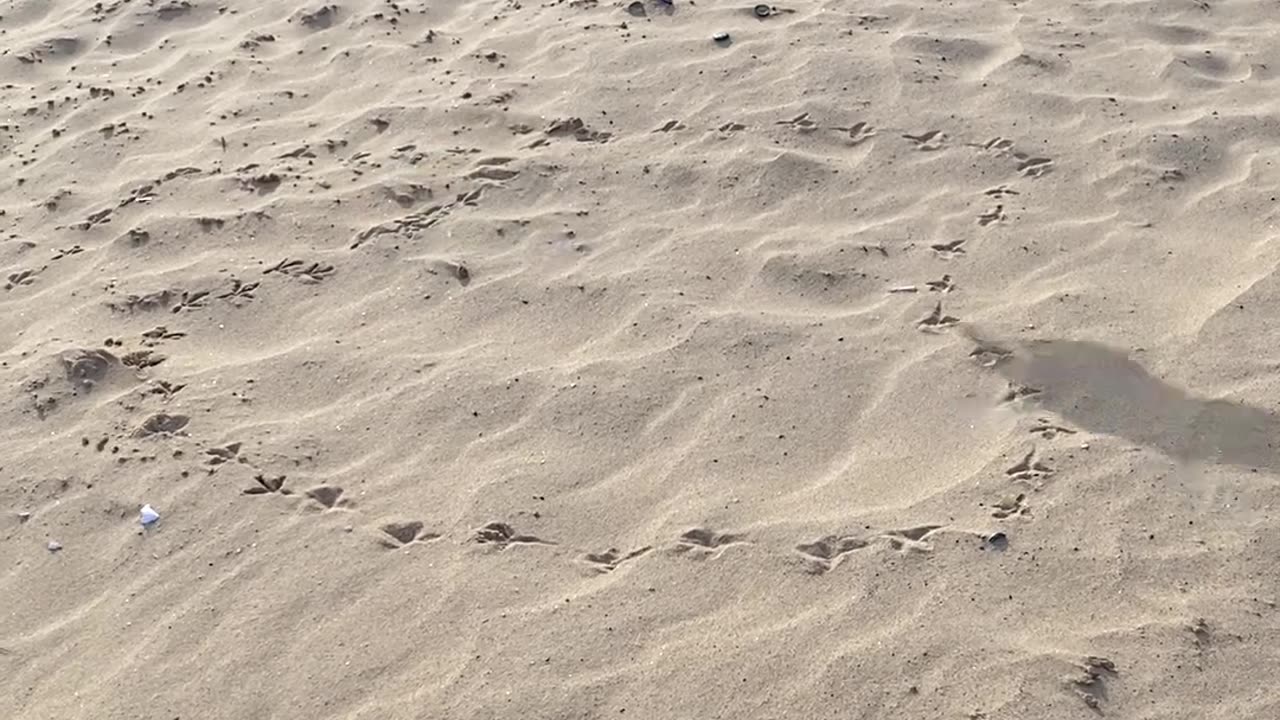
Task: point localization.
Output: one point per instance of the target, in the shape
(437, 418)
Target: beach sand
(557, 360)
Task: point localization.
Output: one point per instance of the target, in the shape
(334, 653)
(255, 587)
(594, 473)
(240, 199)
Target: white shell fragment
(148, 516)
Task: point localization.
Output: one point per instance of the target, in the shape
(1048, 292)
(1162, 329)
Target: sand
(555, 360)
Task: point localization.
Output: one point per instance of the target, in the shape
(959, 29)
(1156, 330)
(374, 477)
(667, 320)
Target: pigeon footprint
(800, 123)
(609, 560)
(943, 285)
(824, 554)
(1010, 506)
(701, 542)
(328, 496)
(1029, 469)
(1048, 430)
(400, 534)
(1018, 392)
(858, 133)
(928, 141)
(1001, 191)
(937, 320)
(20, 278)
(996, 145)
(992, 216)
(911, 538)
(503, 536)
(224, 454)
(268, 485)
(1091, 680)
(948, 250)
(1035, 167)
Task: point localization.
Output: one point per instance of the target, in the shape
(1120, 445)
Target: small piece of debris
(54, 546)
(721, 37)
(148, 516)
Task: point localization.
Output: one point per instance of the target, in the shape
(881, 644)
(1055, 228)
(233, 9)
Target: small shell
(148, 516)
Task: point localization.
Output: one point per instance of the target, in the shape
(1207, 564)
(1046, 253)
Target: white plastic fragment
(148, 516)
(54, 546)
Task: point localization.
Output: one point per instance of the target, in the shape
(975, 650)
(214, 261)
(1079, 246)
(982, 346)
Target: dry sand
(551, 360)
